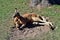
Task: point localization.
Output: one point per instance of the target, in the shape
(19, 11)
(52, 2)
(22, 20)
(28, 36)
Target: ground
(7, 8)
(29, 32)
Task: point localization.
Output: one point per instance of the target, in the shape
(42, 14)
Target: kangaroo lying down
(27, 18)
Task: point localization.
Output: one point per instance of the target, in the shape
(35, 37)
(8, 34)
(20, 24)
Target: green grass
(7, 11)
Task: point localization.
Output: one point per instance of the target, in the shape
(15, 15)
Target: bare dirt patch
(28, 32)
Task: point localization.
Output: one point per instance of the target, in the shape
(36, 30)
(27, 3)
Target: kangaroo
(29, 18)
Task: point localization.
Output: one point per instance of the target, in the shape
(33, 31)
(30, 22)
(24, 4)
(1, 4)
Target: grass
(7, 11)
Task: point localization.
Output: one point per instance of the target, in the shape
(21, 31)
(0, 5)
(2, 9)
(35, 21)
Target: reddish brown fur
(32, 16)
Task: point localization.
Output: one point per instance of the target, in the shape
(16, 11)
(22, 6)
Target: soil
(28, 32)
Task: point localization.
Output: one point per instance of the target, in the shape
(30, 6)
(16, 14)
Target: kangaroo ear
(16, 10)
(16, 13)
